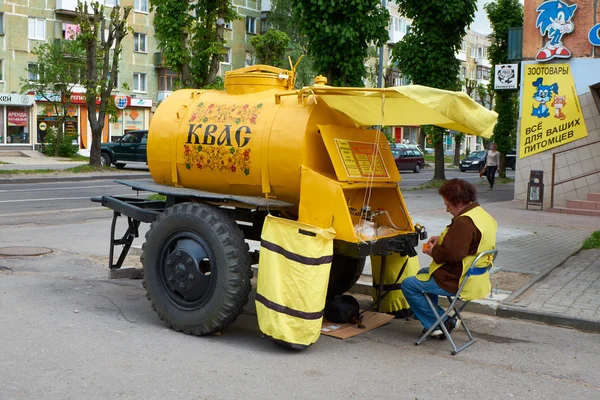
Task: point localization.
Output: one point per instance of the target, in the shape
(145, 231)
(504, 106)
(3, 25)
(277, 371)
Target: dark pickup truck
(130, 147)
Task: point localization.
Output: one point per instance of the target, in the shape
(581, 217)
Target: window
(140, 5)
(248, 59)
(472, 74)
(228, 25)
(251, 25)
(463, 46)
(595, 91)
(227, 55)
(166, 80)
(140, 42)
(111, 3)
(32, 72)
(463, 72)
(37, 29)
(1, 23)
(472, 52)
(139, 82)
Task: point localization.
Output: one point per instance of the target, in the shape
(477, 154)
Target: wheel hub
(184, 277)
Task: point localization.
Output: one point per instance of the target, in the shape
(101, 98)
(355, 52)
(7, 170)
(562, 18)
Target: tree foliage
(190, 36)
(271, 47)
(427, 54)
(58, 68)
(339, 35)
(504, 14)
(282, 18)
(101, 38)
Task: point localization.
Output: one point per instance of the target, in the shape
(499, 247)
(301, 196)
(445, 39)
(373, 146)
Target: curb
(549, 318)
(71, 178)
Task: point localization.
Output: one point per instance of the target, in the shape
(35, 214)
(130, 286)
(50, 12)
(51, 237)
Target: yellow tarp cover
(293, 274)
(409, 105)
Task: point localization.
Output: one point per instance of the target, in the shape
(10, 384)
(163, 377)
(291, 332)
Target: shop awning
(408, 105)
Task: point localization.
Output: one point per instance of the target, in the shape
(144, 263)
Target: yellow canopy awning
(408, 105)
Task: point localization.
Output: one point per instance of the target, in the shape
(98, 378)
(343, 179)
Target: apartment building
(143, 79)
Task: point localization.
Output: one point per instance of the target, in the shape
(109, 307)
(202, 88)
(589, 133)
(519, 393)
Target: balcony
(159, 60)
(484, 62)
(69, 7)
(163, 94)
(461, 56)
(395, 36)
(265, 5)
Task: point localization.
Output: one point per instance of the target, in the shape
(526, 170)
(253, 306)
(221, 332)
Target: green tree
(504, 14)
(271, 47)
(282, 19)
(101, 38)
(58, 69)
(427, 54)
(190, 36)
(339, 34)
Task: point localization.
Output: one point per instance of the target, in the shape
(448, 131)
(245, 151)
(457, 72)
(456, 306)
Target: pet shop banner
(550, 112)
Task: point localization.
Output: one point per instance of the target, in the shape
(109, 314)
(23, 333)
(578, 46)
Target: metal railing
(553, 183)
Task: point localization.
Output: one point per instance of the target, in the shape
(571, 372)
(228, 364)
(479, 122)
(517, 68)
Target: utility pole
(380, 69)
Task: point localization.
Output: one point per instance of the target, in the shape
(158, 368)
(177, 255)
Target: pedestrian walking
(491, 164)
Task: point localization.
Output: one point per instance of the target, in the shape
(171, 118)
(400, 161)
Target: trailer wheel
(345, 272)
(196, 269)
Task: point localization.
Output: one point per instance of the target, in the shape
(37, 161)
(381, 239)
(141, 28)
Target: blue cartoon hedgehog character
(554, 20)
(542, 95)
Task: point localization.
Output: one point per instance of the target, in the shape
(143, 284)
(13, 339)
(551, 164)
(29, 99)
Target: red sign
(17, 118)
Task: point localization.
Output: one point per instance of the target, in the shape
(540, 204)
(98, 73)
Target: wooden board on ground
(371, 320)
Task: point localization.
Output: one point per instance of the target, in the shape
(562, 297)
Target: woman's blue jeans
(415, 291)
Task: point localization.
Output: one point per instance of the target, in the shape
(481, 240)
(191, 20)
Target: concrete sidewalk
(540, 273)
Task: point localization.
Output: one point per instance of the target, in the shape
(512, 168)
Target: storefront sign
(505, 76)
(121, 102)
(554, 20)
(15, 99)
(133, 119)
(17, 118)
(551, 114)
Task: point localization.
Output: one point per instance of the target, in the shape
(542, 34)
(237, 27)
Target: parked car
(474, 161)
(130, 147)
(408, 157)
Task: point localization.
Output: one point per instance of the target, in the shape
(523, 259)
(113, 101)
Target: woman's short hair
(457, 191)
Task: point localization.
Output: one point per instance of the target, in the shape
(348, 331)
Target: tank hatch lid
(150, 186)
(354, 154)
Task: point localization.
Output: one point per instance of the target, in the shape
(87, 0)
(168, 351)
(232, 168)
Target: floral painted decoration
(226, 113)
(220, 158)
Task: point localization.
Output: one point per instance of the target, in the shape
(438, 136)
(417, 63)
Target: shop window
(227, 55)
(140, 5)
(251, 25)
(17, 121)
(37, 29)
(32, 72)
(139, 82)
(140, 42)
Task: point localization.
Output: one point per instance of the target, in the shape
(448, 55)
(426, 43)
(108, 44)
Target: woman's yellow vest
(478, 286)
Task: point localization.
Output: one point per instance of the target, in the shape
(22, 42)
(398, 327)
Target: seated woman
(471, 231)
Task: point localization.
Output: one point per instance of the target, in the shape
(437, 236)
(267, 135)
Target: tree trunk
(457, 143)
(421, 139)
(439, 172)
(502, 166)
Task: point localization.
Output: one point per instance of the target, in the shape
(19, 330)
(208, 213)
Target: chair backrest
(475, 270)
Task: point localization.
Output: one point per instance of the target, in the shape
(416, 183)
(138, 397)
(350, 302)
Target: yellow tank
(253, 139)
(307, 147)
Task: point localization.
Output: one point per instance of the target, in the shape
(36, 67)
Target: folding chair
(456, 306)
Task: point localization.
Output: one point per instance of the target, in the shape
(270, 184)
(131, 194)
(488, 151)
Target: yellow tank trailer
(226, 159)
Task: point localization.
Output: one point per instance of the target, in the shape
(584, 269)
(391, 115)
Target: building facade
(142, 83)
(559, 122)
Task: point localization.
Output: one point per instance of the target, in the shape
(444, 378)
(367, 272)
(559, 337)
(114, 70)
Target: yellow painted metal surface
(260, 138)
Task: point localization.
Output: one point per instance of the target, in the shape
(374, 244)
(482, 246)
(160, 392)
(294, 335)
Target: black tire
(417, 168)
(345, 272)
(120, 165)
(105, 159)
(462, 170)
(196, 269)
